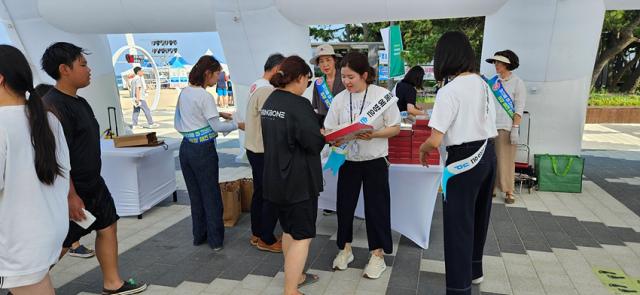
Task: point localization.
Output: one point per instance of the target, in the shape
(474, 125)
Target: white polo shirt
(464, 111)
(344, 111)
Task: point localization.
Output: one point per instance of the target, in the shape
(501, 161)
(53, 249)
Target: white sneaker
(342, 260)
(478, 280)
(375, 267)
(153, 126)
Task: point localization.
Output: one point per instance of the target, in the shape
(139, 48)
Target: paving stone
(626, 234)
(553, 233)
(577, 232)
(602, 234)
(401, 291)
(530, 234)
(406, 266)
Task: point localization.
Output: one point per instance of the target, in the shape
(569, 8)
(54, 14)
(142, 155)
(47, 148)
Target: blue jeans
(147, 113)
(199, 163)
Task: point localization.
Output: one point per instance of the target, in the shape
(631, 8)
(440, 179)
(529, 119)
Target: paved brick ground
(545, 243)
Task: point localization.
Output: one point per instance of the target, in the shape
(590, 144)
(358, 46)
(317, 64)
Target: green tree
(419, 36)
(620, 31)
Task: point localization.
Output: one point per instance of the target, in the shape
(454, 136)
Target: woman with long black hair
(463, 119)
(34, 181)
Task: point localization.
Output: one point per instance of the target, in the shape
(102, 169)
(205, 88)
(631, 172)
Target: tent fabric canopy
(178, 61)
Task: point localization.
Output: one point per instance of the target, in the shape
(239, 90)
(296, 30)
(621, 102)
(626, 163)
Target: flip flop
(309, 279)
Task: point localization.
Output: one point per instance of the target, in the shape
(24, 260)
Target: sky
(190, 45)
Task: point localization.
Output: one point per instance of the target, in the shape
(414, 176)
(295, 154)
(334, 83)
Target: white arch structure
(556, 40)
(121, 50)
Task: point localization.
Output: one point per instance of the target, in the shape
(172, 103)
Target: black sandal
(309, 279)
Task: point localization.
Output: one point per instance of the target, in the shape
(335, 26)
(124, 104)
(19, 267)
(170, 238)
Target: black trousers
(466, 213)
(373, 177)
(264, 216)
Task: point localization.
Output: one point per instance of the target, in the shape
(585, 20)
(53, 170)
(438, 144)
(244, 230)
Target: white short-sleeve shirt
(138, 82)
(34, 216)
(345, 109)
(464, 111)
(195, 107)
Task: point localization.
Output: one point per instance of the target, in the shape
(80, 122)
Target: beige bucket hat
(324, 49)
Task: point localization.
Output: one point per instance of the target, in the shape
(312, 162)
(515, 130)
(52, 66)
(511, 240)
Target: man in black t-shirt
(66, 63)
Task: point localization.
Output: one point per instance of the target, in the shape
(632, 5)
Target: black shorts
(299, 219)
(99, 202)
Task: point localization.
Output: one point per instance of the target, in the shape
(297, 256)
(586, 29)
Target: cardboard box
(403, 161)
(246, 194)
(404, 133)
(400, 143)
(421, 133)
(400, 149)
(398, 139)
(142, 139)
(400, 155)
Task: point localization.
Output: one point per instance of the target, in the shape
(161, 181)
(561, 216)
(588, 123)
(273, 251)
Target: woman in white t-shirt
(198, 120)
(463, 119)
(34, 181)
(508, 128)
(366, 164)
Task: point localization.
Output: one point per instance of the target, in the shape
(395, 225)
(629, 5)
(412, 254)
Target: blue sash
(323, 90)
(504, 99)
(461, 166)
(201, 135)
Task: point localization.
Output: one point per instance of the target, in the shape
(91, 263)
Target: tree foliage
(617, 68)
(419, 36)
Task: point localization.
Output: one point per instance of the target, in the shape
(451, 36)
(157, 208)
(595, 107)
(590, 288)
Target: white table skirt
(140, 177)
(413, 197)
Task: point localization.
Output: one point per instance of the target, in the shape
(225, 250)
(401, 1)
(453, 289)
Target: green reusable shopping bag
(559, 173)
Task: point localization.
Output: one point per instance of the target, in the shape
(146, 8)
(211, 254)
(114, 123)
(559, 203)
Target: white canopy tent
(557, 41)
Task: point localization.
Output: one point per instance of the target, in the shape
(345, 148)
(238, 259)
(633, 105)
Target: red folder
(348, 133)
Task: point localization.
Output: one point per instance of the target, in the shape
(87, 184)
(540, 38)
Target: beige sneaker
(342, 260)
(375, 267)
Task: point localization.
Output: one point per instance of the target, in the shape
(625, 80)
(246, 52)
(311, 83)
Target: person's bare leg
(63, 252)
(286, 244)
(378, 252)
(44, 287)
(107, 253)
(294, 262)
(75, 245)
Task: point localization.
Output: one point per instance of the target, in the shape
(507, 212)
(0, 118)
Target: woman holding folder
(366, 165)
